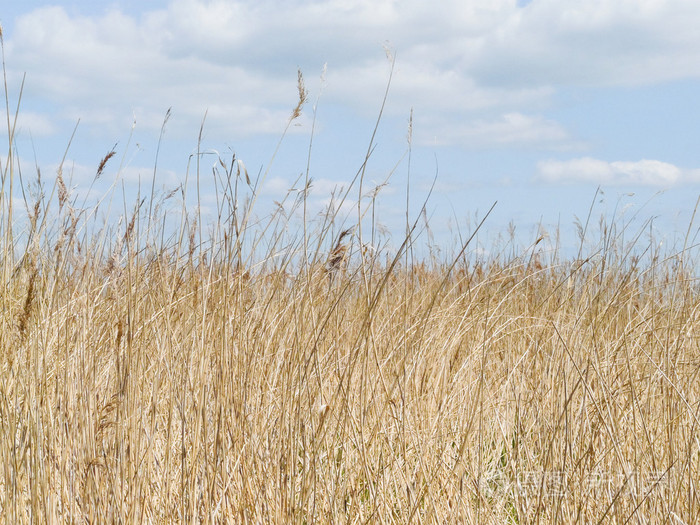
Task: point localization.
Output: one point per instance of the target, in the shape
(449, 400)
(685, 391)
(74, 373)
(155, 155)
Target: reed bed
(236, 373)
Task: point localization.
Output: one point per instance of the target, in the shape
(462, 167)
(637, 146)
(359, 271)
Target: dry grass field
(246, 372)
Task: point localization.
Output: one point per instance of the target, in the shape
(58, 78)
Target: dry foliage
(162, 388)
(203, 379)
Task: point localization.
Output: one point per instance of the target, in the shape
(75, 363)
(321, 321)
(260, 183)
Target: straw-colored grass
(263, 376)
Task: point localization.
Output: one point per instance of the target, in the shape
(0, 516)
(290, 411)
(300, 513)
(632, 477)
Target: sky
(548, 108)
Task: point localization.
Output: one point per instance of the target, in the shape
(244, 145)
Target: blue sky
(532, 104)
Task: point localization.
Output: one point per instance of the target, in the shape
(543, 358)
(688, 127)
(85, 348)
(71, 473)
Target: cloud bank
(643, 172)
(468, 68)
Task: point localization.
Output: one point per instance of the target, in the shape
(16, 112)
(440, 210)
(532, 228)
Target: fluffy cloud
(508, 129)
(598, 43)
(30, 121)
(107, 68)
(238, 59)
(643, 172)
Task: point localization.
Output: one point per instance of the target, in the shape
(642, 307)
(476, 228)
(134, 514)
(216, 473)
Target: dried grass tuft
(103, 162)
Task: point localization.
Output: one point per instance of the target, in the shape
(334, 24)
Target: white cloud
(642, 172)
(238, 60)
(277, 187)
(596, 43)
(104, 69)
(30, 123)
(508, 129)
(325, 187)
